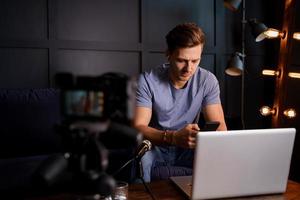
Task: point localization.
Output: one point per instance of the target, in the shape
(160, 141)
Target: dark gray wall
(39, 38)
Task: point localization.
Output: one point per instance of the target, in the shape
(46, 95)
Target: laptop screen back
(242, 162)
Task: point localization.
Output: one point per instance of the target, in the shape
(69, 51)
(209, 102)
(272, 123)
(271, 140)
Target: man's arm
(184, 137)
(141, 121)
(214, 112)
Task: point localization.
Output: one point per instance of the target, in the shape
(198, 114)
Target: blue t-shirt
(173, 108)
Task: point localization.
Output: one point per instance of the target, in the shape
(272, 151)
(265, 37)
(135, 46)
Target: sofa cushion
(16, 173)
(27, 120)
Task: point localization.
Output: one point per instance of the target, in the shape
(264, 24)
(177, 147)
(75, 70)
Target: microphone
(143, 148)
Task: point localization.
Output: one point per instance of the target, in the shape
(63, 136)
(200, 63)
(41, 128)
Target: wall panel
(105, 21)
(23, 68)
(163, 15)
(154, 59)
(23, 20)
(84, 62)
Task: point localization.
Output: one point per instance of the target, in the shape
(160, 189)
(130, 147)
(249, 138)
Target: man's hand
(186, 137)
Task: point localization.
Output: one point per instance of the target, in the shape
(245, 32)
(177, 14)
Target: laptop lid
(242, 162)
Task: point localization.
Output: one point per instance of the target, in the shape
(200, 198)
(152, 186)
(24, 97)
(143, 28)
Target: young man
(170, 97)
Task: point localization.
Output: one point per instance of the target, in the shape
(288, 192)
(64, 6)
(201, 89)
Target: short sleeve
(143, 93)
(212, 91)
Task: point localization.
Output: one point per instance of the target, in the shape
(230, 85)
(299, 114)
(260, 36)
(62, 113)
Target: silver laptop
(239, 163)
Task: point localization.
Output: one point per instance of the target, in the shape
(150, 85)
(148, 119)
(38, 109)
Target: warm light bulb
(296, 35)
(290, 113)
(294, 75)
(273, 33)
(268, 72)
(266, 110)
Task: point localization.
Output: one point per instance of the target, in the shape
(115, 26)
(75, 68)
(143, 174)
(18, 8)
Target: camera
(96, 132)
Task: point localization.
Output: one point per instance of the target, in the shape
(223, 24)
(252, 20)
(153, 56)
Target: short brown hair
(185, 35)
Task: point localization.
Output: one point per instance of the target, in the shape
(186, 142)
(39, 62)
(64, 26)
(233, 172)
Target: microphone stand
(138, 165)
(139, 168)
(140, 174)
(120, 169)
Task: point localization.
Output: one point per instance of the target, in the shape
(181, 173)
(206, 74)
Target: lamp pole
(243, 61)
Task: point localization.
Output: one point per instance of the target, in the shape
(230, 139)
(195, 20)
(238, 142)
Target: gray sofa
(27, 121)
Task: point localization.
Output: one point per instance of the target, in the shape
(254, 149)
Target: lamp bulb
(268, 72)
(296, 35)
(266, 110)
(294, 75)
(290, 113)
(273, 33)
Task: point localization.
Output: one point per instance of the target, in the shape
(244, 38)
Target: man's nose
(188, 65)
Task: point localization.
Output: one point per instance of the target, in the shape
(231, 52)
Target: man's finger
(192, 138)
(195, 127)
(193, 133)
(192, 145)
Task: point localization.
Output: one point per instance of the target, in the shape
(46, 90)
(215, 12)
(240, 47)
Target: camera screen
(83, 103)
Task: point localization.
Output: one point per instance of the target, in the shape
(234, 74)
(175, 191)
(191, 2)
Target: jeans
(166, 156)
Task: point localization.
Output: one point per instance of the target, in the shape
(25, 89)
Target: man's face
(183, 63)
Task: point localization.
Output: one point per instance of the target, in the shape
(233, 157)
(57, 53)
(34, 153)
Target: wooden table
(164, 190)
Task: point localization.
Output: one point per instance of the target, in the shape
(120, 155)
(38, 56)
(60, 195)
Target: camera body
(110, 96)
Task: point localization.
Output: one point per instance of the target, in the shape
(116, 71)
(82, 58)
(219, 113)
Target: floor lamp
(260, 32)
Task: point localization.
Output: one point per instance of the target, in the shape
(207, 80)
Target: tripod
(84, 163)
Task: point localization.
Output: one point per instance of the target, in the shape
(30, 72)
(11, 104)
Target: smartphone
(210, 126)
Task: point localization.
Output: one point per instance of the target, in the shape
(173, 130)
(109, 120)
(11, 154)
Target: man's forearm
(156, 136)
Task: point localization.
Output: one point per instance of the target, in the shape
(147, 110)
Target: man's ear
(168, 54)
